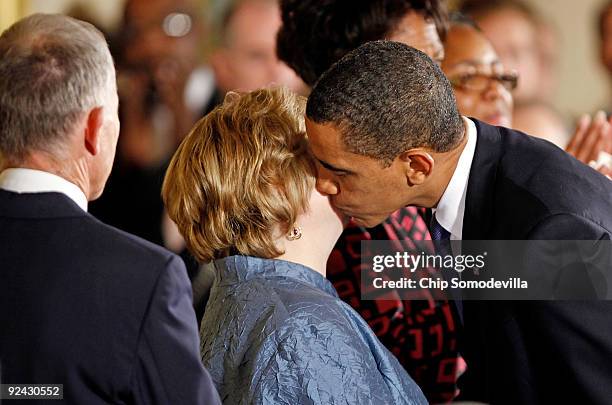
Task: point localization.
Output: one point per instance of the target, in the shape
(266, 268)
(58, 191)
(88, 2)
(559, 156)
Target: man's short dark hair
(317, 33)
(385, 98)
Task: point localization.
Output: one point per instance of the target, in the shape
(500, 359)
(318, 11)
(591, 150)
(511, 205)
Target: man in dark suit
(418, 332)
(82, 304)
(384, 127)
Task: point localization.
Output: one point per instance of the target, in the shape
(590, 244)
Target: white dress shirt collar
(450, 209)
(20, 180)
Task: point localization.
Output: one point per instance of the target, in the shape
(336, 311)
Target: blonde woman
(241, 189)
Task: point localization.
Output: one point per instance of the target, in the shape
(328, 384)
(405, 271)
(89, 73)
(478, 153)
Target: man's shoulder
(562, 185)
(122, 242)
(539, 166)
(522, 181)
(520, 150)
(53, 225)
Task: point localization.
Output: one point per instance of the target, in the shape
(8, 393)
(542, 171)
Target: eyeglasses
(481, 81)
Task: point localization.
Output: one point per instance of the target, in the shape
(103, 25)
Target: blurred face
(514, 38)
(248, 59)
(482, 87)
(358, 186)
(415, 31)
(162, 32)
(606, 41)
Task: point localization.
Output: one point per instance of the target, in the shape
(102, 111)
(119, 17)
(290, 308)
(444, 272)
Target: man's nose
(327, 186)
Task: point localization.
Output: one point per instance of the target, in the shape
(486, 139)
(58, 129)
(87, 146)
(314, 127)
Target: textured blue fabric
(275, 332)
(437, 231)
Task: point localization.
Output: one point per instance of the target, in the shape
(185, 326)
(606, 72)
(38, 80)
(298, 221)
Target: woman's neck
(312, 249)
(318, 264)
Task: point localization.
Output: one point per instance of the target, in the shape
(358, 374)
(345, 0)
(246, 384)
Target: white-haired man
(82, 304)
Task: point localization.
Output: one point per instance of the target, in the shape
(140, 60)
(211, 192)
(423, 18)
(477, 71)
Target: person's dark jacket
(104, 313)
(532, 352)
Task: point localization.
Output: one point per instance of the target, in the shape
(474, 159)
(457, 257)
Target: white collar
(21, 180)
(450, 209)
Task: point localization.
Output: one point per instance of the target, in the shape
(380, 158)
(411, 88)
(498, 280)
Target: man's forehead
(324, 138)
(325, 143)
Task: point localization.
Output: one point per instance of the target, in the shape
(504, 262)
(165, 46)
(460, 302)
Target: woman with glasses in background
(483, 91)
(482, 86)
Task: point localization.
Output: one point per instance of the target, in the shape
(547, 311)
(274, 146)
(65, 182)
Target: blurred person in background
(314, 35)
(591, 140)
(523, 44)
(163, 88)
(241, 188)
(163, 82)
(527, 44)
(245, 57)
(481, 84)
(511, 27)
(549, 48)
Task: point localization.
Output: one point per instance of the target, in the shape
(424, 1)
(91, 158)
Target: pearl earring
(295, 233)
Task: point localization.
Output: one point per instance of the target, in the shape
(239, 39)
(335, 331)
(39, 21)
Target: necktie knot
(437, 231)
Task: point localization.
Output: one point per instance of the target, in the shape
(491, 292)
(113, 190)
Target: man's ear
(418, 165)
(93, 127)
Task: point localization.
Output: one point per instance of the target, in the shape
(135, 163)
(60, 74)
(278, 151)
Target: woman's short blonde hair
(241, 176)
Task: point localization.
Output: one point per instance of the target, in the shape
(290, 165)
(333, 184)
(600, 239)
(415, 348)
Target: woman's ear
(418, 165)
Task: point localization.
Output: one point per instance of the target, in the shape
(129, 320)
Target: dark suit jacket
(104, 313)
(528, 352)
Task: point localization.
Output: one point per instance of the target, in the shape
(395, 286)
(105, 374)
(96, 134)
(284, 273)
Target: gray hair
(53, 69)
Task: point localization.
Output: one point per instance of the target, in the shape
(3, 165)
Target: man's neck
(40, 161)
(447, 164)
